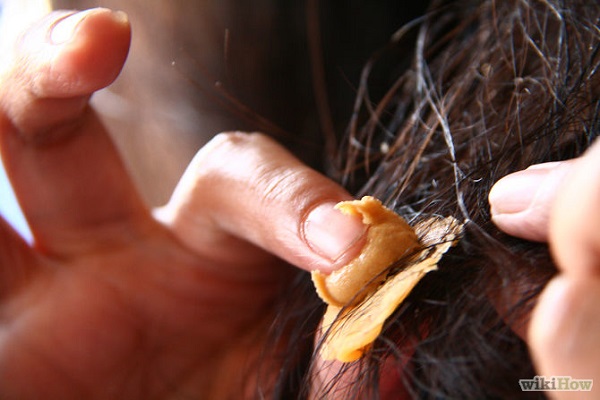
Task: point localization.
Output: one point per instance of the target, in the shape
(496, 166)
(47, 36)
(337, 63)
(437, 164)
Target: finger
(521, 202)
(563, 335)
(58, 64)
(245, 187)
(574, 227)
(67, 175)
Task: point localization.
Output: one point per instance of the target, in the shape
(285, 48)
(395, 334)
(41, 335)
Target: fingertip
(523, 225)
(334, 236)
(563, 335)
(64, 29)
(547, 319)
(90, 48)
(520, 203)
(57, 65)
(511, 200)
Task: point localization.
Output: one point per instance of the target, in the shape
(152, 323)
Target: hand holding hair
(559, 203)
(110, 301)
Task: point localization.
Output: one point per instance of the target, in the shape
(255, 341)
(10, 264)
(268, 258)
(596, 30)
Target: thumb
(522, 201)
(246, 189)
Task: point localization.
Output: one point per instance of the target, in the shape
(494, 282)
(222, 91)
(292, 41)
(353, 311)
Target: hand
(111, 300)
(560, 203)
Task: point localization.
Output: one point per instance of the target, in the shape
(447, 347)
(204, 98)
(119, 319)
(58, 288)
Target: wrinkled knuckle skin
(280, 185)
(226, 163)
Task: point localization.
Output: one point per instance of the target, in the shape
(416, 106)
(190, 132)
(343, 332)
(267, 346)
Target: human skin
(558, 203)
(112, 299)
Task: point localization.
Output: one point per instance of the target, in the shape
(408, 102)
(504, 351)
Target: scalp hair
(480, 89)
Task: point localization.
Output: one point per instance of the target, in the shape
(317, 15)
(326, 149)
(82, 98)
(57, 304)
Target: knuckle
(236, 139)
(227, 155)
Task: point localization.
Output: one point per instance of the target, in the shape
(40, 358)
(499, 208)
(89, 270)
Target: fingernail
(64, 29)
(517, 192)
(331, 234)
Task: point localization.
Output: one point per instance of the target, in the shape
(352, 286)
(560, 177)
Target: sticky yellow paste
(389, 239)
(360, 295)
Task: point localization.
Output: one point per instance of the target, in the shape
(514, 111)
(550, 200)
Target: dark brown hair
(488, 88)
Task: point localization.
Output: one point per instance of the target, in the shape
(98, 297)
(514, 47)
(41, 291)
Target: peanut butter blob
(365, 292)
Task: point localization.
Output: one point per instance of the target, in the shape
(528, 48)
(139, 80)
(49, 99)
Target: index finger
(68, 177)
